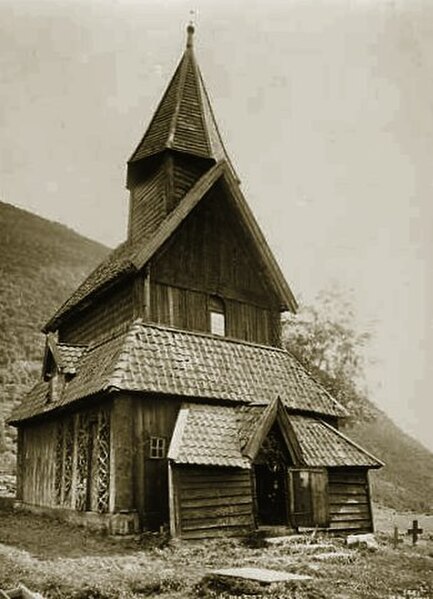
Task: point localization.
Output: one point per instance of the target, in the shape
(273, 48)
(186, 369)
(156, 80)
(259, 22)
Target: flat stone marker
(261, 575)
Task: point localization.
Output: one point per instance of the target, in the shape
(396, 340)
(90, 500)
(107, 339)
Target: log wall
(349, 500)
(212, 502)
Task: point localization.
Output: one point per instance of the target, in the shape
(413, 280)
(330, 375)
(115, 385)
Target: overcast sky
(326, 108)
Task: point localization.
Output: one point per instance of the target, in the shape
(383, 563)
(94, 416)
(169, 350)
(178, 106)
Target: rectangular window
(217, 324)
(157, 448)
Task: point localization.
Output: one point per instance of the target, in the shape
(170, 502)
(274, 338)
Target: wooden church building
(166, 398)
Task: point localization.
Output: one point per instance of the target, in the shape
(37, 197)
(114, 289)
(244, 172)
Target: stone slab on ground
(21, 592)
(262, 575)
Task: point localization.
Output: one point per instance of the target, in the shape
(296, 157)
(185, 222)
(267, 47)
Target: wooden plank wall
(186, 171)
(153, 417)
(211, 253)
(39, 464)
(189, 310)
(147, 204)
(107, 313)
(213, 502)
(349, 500)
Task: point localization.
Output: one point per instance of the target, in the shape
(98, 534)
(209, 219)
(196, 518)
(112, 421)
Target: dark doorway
(271, 494)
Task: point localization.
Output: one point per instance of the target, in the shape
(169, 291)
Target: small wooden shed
(165, 397)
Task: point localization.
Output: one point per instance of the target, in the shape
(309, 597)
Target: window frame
(157, 447)
(216, 310)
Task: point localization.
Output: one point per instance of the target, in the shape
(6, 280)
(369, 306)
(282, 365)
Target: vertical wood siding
(211, 252)
(189, 310)
(153, 417)
(349, 500)
(148, 204)
(107, 313)
(185, 173)
(213, 502)
(39, 464)
(210, 255)
(59, 471)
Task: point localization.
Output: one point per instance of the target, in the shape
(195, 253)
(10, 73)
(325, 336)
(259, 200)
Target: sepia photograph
(216, 333)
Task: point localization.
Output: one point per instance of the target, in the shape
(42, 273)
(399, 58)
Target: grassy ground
(64, 562)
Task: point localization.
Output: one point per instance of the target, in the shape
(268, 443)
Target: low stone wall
(121, 523)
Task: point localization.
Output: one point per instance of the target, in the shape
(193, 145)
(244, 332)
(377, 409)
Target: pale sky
(326, 108)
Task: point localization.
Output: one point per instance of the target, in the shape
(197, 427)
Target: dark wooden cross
(415, 531)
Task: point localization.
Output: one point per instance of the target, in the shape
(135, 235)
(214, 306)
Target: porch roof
(217, 436)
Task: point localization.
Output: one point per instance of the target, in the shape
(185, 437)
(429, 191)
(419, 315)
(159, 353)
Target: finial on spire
(190, 30)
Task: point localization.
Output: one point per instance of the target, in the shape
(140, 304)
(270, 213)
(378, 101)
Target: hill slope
(41, 263)
(406, 482)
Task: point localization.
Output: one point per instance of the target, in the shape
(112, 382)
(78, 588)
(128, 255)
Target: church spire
(184, 120)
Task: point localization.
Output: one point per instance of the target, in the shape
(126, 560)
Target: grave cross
(415, 531)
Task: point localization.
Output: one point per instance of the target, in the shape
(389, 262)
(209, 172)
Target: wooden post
(147, 311)
(396, 539)
(173, 500)
(370, 503)
(74, 463)
(112, 490)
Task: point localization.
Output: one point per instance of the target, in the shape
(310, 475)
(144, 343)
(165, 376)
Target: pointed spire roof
(184, 120)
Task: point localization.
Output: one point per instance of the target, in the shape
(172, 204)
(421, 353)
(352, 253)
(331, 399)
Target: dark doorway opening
(271, 493)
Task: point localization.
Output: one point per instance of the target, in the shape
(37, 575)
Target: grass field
(64, 562)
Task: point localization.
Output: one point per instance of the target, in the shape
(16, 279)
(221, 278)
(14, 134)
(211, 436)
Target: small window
(217, 316)
(157, 448)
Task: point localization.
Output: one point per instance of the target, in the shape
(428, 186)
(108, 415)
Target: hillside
(41, 262)
(406, 482)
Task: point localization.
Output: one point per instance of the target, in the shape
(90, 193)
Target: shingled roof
(215, 435)
(184, 119)
(70, 356)
(207, 435)
(157, 359)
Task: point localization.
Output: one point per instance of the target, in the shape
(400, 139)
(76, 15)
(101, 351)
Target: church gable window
(217, 316)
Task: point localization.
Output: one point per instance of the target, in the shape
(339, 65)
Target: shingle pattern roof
(156, 359)
(209, 436)
(184, 120)
(321, 444)
(215, 435)
(70, 356)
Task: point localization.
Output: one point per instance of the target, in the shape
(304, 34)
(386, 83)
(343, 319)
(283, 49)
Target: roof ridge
(203, 119)
(183, 66)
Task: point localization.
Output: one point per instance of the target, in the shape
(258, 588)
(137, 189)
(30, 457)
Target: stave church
(166, 400)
